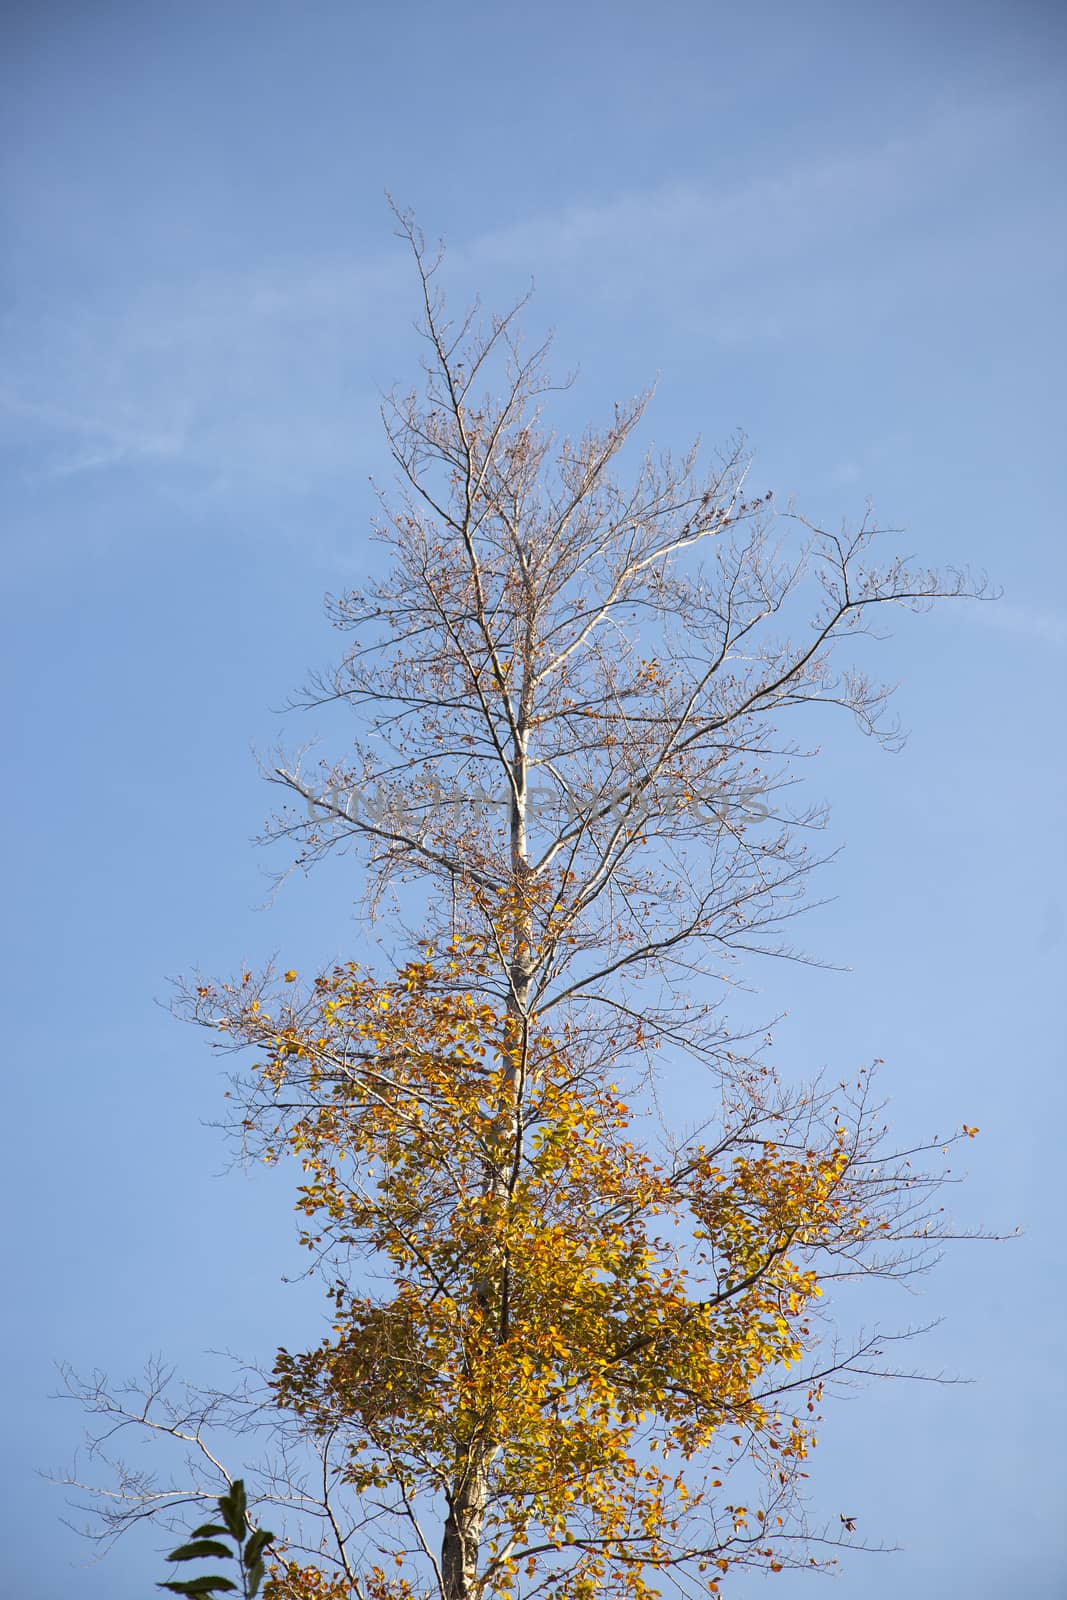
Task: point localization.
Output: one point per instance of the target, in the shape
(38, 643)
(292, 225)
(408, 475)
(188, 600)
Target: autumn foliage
(609, 1350)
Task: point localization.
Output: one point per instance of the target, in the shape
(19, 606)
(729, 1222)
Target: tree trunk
(463, 1530)
(461, 1541)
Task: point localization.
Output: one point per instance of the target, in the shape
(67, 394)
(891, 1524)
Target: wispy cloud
(1038, 623)
(103, 442)
(805, 245)
(266, 374)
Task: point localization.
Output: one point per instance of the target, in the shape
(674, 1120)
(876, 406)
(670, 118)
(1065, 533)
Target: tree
(595, 1361)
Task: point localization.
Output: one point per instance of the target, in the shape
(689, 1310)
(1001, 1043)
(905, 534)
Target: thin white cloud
(1038, 623)
(104, 443)
(788, 249)
(266, 375)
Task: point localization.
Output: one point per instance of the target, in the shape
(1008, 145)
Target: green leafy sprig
(205, 1544)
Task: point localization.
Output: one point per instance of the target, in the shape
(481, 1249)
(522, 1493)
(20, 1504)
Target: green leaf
(234, 1507)
(200, 1549)
(255, 1577)
(212, 1584)
(209, 1530)
(256, 1545)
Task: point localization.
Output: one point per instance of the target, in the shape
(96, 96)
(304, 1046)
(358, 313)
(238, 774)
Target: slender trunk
(470, 1492)
(521, 971)
(463, 1528)
(461, 1541)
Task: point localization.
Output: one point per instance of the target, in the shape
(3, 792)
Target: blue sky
(840, 228)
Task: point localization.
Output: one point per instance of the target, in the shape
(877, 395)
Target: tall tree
(594, 1363)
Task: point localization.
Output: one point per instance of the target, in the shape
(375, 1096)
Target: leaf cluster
(602, 1337)
(206, 1543)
